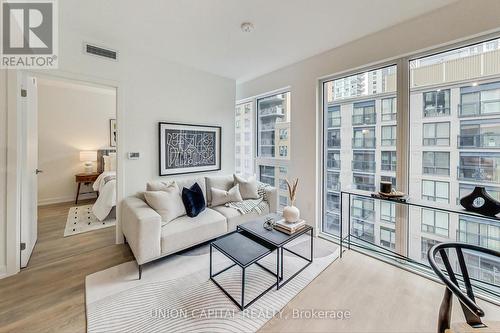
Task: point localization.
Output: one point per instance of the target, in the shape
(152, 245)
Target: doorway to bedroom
(72, 141)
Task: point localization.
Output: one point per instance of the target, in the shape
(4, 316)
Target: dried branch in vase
(292, 189)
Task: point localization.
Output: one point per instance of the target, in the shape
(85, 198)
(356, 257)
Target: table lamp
(88, 156)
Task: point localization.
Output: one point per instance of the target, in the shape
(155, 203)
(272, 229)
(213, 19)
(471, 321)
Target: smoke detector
(247, 27)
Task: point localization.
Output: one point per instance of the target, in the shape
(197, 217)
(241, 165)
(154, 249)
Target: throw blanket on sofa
(246, 206)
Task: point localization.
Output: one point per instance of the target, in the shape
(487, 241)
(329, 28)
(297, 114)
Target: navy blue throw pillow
(193, 200)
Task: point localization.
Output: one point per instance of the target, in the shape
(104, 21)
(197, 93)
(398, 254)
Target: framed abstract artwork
(112, 132)
(187, 148)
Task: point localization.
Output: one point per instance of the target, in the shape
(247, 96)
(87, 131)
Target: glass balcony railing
(436, 111)
(479, 141)
(333, 185)
(434, 170)
(333, 143)
(479, 240)
(483, 108)
(365, 214)
(479, 173)
(363, 142)
(388, 166)
(364, 166)
(334, 122)
(364, 187)
(389, 116)
(333, 164)
(364, 119)
(388, 142)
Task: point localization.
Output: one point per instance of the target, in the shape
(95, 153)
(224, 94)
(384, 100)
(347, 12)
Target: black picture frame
(162, 149)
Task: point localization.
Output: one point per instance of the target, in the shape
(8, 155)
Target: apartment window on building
(273, 140)
(388, 161)
(436, 134)
(388, 212)
(388, 238)
(333, 116)
(479, 100)
(438, 191)
(426, 244)
(364, 138)
(389, 179)
(244, 148)
(436, 163)
(479, 166)
(435, 222)
(388, 136)
(481, 232)
(363, 113)
(484, 133)
(363, 208)
(363, 161)
(357, 98)
(389, 109)
(436, 103)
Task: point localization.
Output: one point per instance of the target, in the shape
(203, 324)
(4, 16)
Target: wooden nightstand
(85, 178)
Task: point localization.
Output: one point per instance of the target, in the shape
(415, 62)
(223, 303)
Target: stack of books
(289, 228)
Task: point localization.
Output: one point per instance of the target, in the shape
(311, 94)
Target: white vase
(291, 214)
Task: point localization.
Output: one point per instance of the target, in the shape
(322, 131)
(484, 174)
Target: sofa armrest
(141, 225)
(272, 199)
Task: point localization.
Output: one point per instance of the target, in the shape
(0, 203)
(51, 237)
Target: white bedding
(107, 195)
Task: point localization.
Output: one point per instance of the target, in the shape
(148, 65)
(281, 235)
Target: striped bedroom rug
(176, 295)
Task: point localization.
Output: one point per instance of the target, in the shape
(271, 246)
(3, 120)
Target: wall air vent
(99, 51)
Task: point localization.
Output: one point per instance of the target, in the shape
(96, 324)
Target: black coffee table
(244, 252)
(277, 240)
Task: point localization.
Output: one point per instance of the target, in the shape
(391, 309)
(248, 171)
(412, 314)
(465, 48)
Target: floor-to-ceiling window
(455, 104)
(360, 118)
(243, 136)
(448, 142)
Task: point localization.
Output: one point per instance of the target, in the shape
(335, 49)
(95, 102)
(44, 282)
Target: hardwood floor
(49, 295)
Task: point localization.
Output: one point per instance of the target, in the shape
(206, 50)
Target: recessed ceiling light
(474, 84)
(247, 27)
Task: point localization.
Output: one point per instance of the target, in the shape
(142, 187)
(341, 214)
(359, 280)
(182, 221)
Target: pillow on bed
(109, 162)
(167, 202)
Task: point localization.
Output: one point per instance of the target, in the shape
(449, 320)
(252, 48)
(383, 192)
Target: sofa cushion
(184, 231)
(220, 182)
(221, 197)
(181, 182)
(248, 187)
(168, 202)
(235, 218)
(193, 200)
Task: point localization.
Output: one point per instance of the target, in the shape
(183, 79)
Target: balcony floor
(380, 297)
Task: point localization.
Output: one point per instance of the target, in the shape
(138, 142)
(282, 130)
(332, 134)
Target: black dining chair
(473, 313)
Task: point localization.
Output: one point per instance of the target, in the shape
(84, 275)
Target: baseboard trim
(51, 201)
(3, 272)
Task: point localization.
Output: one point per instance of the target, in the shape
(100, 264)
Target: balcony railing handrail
(479, 172)
(366, 142)
(478, 140)
(478, 107)
(371, 165)
(364, 119)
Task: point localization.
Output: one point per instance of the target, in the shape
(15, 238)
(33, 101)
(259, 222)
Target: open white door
(29, 184)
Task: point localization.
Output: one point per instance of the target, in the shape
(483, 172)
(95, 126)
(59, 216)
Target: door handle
(37, 171)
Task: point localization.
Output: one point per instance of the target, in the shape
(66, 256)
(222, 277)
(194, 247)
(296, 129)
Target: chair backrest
(472, 311)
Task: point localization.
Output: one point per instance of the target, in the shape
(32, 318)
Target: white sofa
(148, 240)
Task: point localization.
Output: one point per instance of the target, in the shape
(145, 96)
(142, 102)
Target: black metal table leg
(242, 307)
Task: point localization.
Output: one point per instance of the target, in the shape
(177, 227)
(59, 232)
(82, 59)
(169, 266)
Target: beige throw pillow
(221, 197)
(167, 202)
(248, 187)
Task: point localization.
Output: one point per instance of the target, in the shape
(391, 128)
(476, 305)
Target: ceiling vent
(99, 51)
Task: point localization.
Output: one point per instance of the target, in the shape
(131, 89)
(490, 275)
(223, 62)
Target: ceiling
(205, 34)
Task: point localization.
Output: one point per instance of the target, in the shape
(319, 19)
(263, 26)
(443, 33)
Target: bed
(105, 184)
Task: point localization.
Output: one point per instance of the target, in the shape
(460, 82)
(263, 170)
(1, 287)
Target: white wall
(459, 20)
(71, 117)
(3, 166)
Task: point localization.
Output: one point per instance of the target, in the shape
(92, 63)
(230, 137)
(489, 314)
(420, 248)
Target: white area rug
(176, 294)
(81, 219)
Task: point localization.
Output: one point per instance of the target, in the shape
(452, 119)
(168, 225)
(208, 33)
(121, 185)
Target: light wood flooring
(49, 295)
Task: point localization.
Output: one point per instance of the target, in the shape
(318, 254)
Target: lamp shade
(88, 155)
